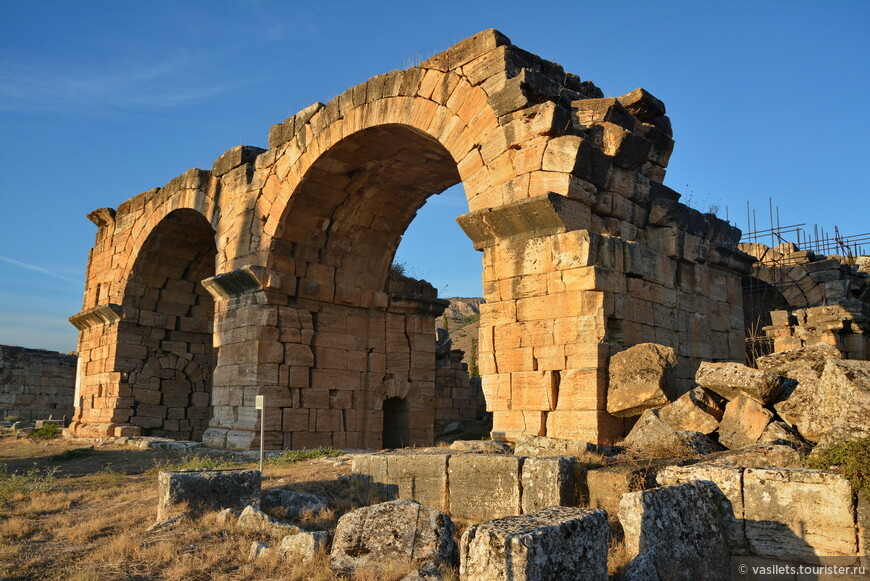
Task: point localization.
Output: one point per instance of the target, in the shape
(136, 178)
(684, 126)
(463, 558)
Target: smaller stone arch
(171, 397)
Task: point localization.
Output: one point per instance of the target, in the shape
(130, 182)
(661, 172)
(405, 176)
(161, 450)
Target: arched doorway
(397, 427)
(170, 317)
(759, 300)
(373, 332)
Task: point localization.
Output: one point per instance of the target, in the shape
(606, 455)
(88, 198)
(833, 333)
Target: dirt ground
(77, 511)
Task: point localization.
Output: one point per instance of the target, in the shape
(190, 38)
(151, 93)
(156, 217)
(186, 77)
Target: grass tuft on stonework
(850, 457)
(294, 456)
(194, 462)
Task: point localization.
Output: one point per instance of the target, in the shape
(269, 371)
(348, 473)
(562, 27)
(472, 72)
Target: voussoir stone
(641, 377)
(731, 380)
(553, 544)
(680, 527)
(399, 529)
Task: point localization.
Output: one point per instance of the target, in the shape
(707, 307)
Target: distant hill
(463, 321)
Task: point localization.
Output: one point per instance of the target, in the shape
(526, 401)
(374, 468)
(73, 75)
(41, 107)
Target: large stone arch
(585, 253)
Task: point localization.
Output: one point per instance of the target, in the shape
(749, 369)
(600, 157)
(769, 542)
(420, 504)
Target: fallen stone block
(780, 433)
(653, 436)
(470, 500)
(256, 521)
(544, 446)
(403, 529)
(259, 550)
(840, 398)
(607, 485)
(641, 377)
(548, 482)
(198, 491)
(680, 528)
(758, 456)
(743, 423)
(481, 446)
(696, 410)
(304, 546)
(798, 513)
(227, 516)
(728, 480)
(556, 543)
(732, 380)
(295, 504)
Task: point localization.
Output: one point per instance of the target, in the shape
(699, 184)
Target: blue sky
(101, 100)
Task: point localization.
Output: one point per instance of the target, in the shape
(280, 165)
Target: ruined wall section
(828, 299)
(36, 383)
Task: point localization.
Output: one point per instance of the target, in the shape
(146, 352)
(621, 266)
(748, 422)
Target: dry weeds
(82, 515)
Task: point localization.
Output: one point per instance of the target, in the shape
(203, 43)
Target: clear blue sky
(101, 100)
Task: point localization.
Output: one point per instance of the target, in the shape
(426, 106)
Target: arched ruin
(585, 253)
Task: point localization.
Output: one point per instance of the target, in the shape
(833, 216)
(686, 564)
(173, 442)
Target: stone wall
(35, 383)
(790, 513)
(811, 298)
(585, 253)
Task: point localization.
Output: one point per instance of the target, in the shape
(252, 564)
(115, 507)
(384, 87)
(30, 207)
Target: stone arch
(168, 322)
(585, 253)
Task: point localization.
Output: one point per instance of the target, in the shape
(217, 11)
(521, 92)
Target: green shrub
(851, 457)
(294, 456)
(46, 432)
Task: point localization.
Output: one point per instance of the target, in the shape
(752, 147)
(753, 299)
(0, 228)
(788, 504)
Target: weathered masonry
(269, 273)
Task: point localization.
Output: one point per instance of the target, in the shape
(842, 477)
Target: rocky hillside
(462, 320)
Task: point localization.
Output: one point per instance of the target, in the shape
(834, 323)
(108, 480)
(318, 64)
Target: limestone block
(303, 546)
(558, 481)
(728, 483)
(421, 477)
(695, 410)
(399, 529)
(607, 485)
(763, 454)
(839, 399)
(652, 435)
(475, 503)
(254, 520)
(641, 377)
(731, 380)
(642, 105)
(553, 544)
(798, 513)
(743, 423)
(200, 491)
(543, 446)
(680, 528)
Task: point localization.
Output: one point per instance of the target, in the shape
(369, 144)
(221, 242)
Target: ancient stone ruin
(36, 383)
(269, 274)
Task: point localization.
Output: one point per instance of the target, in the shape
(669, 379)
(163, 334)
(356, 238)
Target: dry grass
(81, 514)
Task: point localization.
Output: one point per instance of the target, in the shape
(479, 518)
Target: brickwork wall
(35, 383)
